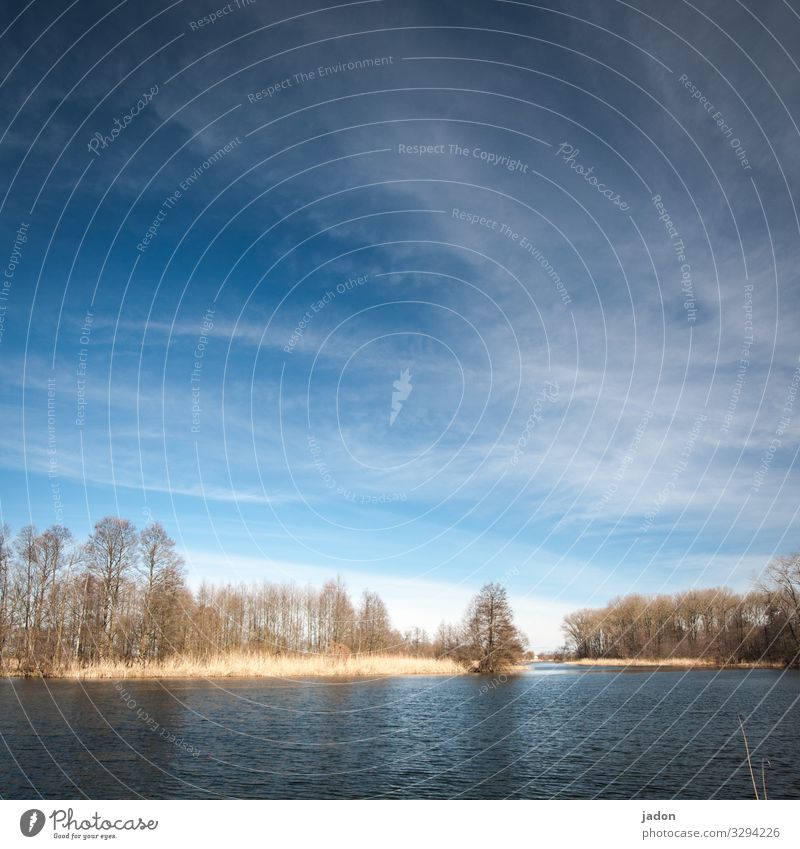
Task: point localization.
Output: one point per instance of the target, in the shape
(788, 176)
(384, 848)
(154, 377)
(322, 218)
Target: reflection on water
(555, 731)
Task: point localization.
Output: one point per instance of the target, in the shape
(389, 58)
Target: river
(557, 731)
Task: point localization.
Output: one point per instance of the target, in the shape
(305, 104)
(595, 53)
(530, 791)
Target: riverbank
(677, 662)
(264, 666)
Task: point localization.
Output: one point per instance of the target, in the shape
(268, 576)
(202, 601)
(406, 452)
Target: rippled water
(557, 731)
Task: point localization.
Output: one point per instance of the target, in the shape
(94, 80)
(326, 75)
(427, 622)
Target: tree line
(718, 624)
(122, 596)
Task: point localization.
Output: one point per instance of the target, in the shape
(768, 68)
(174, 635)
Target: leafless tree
(491, 640)
(162, 570)
(6, 617)
(781, 585)
(336, 616)
(110, 556)
(715, 623)
(373, 631)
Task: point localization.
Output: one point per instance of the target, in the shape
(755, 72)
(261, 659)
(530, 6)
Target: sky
(425, 295)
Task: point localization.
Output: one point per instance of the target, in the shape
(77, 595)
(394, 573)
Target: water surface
(558, 731)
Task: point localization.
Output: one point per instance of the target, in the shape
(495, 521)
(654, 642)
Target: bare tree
(714, 623)
(448, 640)
(163, 575)
(579, 629)
(491, 640)
(110, 555)
(55, 553)
(415, 641)
(374, 628)
(336, 617)
(781, 585)
(6, 609)
(27, 591)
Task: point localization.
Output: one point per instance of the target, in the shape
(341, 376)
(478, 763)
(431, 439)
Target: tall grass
(704, 662)
(245, 665)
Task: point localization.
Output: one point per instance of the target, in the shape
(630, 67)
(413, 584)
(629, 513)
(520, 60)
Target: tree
(6, 609)
(579, 629)
(163, 574)
(716, 623)
(55, 552)
(110, 555)
(415, 642)
(781, 585)
(336, 617)
(447, 642)
(373, 629)
(27, 591)
(491, 640)
(27, 553)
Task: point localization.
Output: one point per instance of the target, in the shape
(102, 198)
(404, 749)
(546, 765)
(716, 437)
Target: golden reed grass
(684, 662)
(244, 665)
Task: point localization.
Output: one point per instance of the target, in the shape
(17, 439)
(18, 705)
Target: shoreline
(352, 666)
(255, 666)
(672, 662)
(278, 667)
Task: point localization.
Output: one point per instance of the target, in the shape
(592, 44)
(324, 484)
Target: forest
(719, 625)
(121, 598)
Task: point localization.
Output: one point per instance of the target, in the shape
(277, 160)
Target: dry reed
(684, 662)
(244, 665)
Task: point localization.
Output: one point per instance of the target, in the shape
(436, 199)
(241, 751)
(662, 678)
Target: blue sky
(575, 227)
